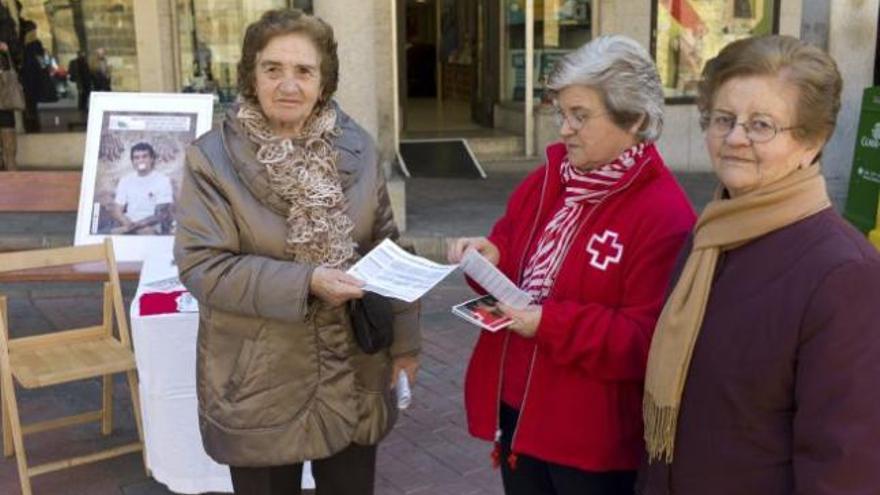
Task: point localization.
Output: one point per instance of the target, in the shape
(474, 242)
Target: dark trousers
(536, 477)
(349, 472)
(30, 117)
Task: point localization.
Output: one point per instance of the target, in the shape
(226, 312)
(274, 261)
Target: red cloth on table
(160, 303)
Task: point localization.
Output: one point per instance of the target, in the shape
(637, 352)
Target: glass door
(71, 48)
(560, 27)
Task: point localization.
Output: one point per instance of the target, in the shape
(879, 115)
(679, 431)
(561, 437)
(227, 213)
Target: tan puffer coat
(280, 378)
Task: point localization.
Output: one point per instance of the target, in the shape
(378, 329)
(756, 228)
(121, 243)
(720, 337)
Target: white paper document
(490, 278)
(390, 271)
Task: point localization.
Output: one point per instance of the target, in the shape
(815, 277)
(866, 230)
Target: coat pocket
(372, 371)
(250, 374)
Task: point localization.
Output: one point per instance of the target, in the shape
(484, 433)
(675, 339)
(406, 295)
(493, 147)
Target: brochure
(484, 312)
(389, 270)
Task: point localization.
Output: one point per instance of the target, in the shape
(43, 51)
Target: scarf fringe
(660, 422)
(496, 455)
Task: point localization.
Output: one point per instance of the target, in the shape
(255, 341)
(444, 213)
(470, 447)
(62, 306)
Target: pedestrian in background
(763, 371)
(81, 74)
(592, 236)
(101, 71)
(276, 204)
(31, 68)
(10, 53)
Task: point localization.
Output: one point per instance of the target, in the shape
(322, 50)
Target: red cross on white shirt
(604, 249)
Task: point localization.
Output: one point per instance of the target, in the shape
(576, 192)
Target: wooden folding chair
(66, 356)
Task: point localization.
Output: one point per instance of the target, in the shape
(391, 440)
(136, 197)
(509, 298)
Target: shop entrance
(462, 69)
(448, 66)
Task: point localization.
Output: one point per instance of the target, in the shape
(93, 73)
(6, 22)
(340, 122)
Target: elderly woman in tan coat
(276, 203)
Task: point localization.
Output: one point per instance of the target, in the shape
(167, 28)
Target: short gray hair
(622, 71)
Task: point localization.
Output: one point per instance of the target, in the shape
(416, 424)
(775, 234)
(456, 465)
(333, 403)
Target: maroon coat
(781, 395)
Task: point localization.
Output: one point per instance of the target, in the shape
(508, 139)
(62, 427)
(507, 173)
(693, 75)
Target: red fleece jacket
(583, 399)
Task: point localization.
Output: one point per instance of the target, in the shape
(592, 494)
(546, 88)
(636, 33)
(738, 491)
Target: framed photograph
(133, 166)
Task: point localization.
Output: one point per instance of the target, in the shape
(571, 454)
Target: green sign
(864, 182)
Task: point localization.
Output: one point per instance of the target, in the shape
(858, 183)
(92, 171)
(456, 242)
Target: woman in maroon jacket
(763, 371)
(592, 236)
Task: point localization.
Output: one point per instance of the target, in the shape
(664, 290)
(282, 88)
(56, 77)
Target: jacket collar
(556, 153)
(351, 140)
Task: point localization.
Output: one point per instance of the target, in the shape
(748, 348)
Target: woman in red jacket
(592, 236)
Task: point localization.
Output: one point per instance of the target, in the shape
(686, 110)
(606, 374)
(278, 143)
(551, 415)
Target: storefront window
(690, 32)
(561, 26)
(102, 31)
(210, 34)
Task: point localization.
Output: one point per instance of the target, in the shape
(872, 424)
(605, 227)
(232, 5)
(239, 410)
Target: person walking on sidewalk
(101, 71)
(81, 74)
(592, 236)
(33, 75)
(763, 372)
(10, 53)
(276, 204)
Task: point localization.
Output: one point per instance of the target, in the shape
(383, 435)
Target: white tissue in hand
(404, 394)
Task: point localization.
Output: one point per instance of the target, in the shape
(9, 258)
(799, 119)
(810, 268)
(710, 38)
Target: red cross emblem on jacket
(604, 249)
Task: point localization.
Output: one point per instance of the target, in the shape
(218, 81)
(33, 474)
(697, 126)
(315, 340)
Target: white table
(165, 350)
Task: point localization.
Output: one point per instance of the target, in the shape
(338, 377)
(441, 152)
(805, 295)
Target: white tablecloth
(165, 350)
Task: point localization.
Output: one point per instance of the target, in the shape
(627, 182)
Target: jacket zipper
(513, 457)
(507, 335)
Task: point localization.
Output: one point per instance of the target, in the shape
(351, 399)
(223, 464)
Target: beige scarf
(302, 171)
(724, 224)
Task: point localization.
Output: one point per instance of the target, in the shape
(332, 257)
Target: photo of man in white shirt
(144, 197)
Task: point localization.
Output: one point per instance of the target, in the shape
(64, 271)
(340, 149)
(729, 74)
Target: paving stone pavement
(428, 453)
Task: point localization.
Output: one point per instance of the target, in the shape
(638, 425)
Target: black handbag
(371, 321)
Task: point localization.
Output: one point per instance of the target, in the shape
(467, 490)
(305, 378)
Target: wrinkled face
(599, 140)
(142, 161)
(741, 164)
(288, 82)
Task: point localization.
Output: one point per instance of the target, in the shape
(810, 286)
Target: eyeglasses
(758, 129)
(576, 120)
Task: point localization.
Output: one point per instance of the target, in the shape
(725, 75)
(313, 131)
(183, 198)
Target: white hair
(623, 72)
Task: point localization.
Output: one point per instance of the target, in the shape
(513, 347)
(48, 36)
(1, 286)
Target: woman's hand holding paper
(483, 246)
(525, 321)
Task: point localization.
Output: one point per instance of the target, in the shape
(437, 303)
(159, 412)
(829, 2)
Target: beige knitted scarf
(724, 224)
(302, 171)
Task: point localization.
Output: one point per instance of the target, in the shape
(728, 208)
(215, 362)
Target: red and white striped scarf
(582, 190)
